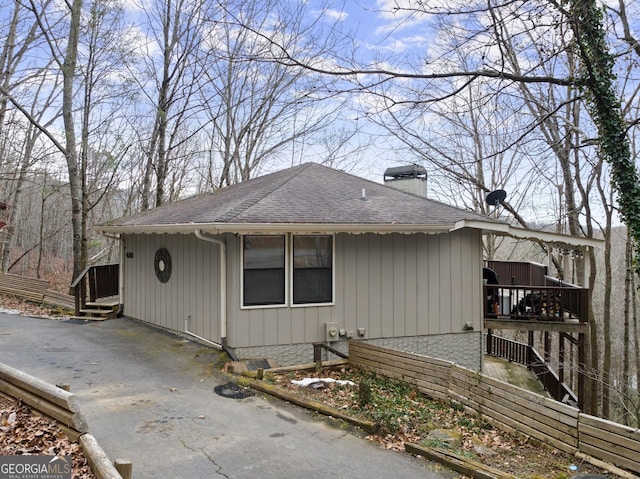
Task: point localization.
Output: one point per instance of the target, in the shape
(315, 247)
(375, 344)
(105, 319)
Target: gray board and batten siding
(413, 291)
(192, 291)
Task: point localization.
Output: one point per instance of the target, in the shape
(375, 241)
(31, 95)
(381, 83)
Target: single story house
(310, 254)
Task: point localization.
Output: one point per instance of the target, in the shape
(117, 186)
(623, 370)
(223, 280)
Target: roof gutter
(275, 228)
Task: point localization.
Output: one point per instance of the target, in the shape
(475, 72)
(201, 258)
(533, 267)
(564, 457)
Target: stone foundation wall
(464, 349)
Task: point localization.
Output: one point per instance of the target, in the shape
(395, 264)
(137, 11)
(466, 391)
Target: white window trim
(333, 272)
(288, 274)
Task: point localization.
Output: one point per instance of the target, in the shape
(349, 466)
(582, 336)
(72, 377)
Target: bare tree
(29, 157)
(481, 31)
(259, 111)
(175, 29)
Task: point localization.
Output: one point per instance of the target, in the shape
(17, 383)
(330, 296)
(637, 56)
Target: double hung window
(263, 270)
(312, 269)
(278, 267)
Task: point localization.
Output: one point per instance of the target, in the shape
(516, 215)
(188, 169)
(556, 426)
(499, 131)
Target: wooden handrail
(80, 277)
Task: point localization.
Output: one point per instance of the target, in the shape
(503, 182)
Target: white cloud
(337, 15)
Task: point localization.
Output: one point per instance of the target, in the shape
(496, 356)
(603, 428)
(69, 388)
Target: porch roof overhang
(487, 227)
(547, 237)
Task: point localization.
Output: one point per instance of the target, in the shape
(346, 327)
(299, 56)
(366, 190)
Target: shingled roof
(305, 197)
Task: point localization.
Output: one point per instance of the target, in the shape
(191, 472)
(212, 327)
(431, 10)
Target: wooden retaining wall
(31, 289)
(34, 289)
(517, 409)
(430, 375)
(50, 400)
(62, 406)
(506, 406)
(610, 441)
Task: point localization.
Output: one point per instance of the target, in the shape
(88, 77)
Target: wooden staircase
(99, 310)
(96, 293)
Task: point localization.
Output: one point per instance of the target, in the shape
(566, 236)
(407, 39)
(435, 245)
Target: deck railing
(94, 283)
(539, 303)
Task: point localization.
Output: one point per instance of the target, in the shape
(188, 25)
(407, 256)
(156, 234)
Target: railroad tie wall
(505, 406)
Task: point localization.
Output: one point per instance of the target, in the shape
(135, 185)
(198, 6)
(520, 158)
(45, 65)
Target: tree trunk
(16, 200)
(591, 384)
(6, 58)
(606, 323)
(41, 228)
(626, 355)
(636, 342)
(71, 154)
(598, 82)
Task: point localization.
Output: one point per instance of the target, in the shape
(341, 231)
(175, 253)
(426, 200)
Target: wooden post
(317, 356)
(582, 360)
(124, 467)
(547, 347)
(560, 363)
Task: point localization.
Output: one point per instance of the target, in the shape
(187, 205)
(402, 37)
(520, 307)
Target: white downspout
(223, 282)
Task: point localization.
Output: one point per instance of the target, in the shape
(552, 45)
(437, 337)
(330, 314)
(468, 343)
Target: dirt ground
(406, 415)
(22, 432)
(16, 305)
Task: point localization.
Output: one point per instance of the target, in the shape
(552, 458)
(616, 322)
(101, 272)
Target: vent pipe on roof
(410, 179)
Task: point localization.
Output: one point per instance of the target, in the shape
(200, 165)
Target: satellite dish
(496, 198)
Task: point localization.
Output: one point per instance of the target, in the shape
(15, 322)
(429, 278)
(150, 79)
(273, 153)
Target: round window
(162, 264)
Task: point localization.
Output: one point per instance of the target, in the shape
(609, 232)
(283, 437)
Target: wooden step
(93, 308)
(102, 313)
(106, 302)
(90, 318)
(96, 311)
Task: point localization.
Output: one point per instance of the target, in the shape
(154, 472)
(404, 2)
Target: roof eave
(273, 228)
(547, 237)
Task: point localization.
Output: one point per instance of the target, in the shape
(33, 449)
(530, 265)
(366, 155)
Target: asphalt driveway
(148, 397)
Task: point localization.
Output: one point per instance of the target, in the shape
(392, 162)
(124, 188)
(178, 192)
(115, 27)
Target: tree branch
(33, 121)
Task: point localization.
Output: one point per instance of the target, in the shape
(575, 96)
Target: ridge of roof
(279, 178)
